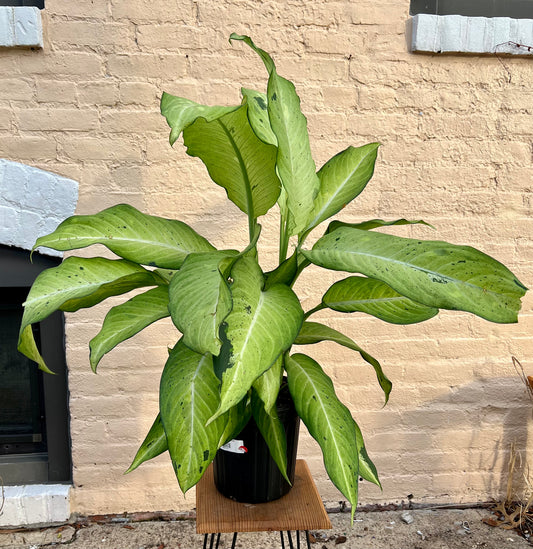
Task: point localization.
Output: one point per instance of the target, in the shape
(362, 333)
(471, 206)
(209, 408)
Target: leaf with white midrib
(188, 397)
(342, 179)
(260, 326)
(329, 422)
(314, 332)
(127, 319)
(433, 273)
(373, 297)
(154, 444)
(200, 300)
(294, 162)
(131, 234)
(74, 282)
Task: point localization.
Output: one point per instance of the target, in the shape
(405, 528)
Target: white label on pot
(235, 446)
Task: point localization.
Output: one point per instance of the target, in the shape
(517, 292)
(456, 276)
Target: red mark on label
(244, 449)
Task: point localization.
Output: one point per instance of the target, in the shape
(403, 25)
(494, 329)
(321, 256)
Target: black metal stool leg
(205, 541)
(307, 539)
(234, 540)
(298, 539)
(290, 539)
(282, 539)
(218, 540)
(212, 541)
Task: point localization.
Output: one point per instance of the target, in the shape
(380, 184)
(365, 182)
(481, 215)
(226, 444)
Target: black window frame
(16, 270)
(15, 3)
(515, 9)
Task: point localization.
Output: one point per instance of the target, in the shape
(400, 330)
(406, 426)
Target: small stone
(340, 539)
(407, 518)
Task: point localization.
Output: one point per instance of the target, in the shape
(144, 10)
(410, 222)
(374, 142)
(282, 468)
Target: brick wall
(456, 134)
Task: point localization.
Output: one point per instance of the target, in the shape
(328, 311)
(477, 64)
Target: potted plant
(240, 325)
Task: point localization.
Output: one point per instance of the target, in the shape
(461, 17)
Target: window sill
(461, 34)
(20, 27)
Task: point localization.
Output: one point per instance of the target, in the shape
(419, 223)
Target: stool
(298, 511)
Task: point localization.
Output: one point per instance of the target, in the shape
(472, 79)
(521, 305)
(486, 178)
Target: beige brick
(56, 91)
(98, 92)
(27, 148)
(139, 93)
(5, 119)
(16, 89)
(93, 148)
(133, 122)
(145, 10)
(57, 119)
(96, 9)
(73, 63)
(95, 34)
(172, 37)
(146, 65)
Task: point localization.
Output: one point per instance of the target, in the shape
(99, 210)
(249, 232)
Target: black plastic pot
(246, 472)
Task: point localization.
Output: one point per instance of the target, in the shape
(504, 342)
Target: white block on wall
(32, 203)
(35, 504)
(20, 26)
(461, 34)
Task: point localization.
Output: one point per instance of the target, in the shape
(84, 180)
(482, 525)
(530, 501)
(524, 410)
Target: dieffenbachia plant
(240, 325)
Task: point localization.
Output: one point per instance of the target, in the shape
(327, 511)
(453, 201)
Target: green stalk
(283, 239)
(319, 307)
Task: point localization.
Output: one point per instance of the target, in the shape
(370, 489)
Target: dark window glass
(517, 9)
(34, 434)
(37, 3)
(22, 420)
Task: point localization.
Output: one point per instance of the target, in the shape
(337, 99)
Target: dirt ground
(427, 529)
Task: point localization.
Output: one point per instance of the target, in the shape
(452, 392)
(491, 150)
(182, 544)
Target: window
(517, 9)
(476, 26)
(37, 3)
(34, 436)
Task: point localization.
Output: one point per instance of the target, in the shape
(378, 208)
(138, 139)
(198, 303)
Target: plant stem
(283, 239)
(319, 307)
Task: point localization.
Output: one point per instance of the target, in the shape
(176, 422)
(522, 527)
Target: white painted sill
(20, 27)
(477, 35)
(35, 504)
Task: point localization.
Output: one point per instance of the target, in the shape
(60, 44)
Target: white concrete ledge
(32, 203)
(20, 26)
(35, 504)
(458, 33)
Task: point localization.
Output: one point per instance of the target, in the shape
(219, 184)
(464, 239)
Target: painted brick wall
(457, 152)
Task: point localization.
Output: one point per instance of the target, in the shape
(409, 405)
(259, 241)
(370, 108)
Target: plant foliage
(239, 324)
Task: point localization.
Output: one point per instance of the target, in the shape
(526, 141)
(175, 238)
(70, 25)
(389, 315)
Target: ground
(429, 529)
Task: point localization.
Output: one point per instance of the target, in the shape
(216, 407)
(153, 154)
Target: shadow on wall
(461, 441)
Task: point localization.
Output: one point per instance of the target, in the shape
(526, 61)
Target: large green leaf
(329, 422)
(267, 384)
(294, 163)
(258, 115)
(188, 397)
(236, 160)
(261, 325)
(128, 319)
(82, 282)
(367, 469)
(272, 431)
(375, 224)
(314, 332)
(28, 347)
(131, 234)
(181, 113)
(235, 419)
(434, 273)
(343, 178)
(373, 297)
(200, 300)
(153, 445)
